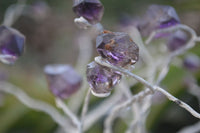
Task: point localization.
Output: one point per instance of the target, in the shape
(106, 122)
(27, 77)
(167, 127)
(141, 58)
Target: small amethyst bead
(63, 80)
(11, 44)
(91, 10)
(158, 17)
(118, 48)
(101, 79)
(177, 40)
(192, 62)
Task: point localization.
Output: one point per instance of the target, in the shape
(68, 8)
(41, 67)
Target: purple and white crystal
(177, 40)
(158, 17)
(63, 80)
(91, 10)
(101, 79)
(118, 48)
(192, 62)
(11, 44)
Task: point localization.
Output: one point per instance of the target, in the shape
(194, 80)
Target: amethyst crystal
(101, 79)
(63, 80)
(40, 10)
(118, 48)
(11, 44)
(91, 10)
(177, 40)
(158, 17)
(192, 62)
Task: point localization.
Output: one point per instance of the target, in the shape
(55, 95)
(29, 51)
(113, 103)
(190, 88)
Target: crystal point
(63, 80)
(158, 17)
(101, 79)
(118, 48)
(91, 10)
(177, 40)
(11, 44)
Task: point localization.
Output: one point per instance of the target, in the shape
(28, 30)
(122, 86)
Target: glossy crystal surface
(118, 48)
(101, 79)
(91, 10)
(11, 44)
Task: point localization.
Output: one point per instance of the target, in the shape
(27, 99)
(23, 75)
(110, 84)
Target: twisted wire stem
(36, 104)
(150, 89)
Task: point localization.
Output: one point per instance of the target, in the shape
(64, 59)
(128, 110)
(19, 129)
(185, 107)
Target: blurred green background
(53, 40)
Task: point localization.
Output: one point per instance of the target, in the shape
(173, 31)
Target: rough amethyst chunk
(63, 80)
(192, 62)
(101, 79)
(11, 44)
(177, 40)
(91, 10)
(118, 48)
(158, 17)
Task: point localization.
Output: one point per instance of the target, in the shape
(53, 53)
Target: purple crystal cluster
(158, 17)
(11, 44)
(101, 79)
(118, 48)
(177, 40)
(63, 80)
(91, 10)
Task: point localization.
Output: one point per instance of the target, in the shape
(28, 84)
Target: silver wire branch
(151, 89)
(197, 39)
(35, 104)
(67, 111)
(82, 23)
(191, 129)
(103, 62)
(13, 12)
(177, 101)
(190, 44)
(170, 29)
(136, 36)
(94, 115)
(116, 109)
(85, 108)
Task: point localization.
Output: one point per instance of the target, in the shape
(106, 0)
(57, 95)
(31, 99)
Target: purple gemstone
(118, 48)
(101, 79)
(63, 80)
(177, 40)
(192, 62)
(91, 10)
(11, 44)
(40, 10)
(158, 17)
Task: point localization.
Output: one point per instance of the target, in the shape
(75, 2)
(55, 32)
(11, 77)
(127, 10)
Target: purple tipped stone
(101, 79)
(177, 40)
(63, 80)
(11, 44)
(192, 62)
(118, 48)
(91, 10)
(158, 17)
